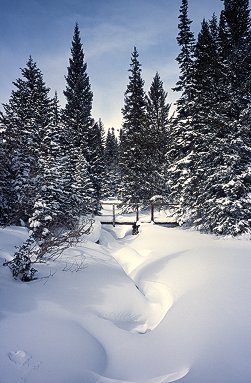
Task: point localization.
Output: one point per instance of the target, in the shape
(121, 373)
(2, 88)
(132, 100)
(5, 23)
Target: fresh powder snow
(165, 305)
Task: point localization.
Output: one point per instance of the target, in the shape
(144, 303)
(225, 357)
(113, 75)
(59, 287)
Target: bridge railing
(135, 209)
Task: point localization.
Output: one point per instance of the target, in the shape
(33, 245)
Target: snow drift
(166, 305)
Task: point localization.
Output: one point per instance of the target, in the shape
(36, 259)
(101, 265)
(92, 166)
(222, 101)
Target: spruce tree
(77, 112)
(56, 117)
(51, 210)
(111, 154)
(237, 16)
(182, 135)
(111, 147)
(210, 153)
(95, 159)
(186, 42)
(158, 126)
(133, 146)
(81, 132)
(25, 119)
(82, 188)
(228, 209)
(206, 120)
(4, 180)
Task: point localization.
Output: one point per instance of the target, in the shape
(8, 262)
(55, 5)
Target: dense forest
(56, 164)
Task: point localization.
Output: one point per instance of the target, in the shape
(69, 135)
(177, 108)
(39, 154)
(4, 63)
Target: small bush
(21, 264)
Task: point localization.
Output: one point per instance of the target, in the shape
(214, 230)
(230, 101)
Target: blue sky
(109, 31)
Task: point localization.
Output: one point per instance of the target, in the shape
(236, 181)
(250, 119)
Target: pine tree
(133, 147)
(4, 179)
(182, 135)
(95, 159)
(111, 147)
(237, 16)
(82, 188)
(111, 154)
(50, 211)
(193, 135)
(78, 122)
(210, 154)
(26, 118)
(227, 209)
(77, 112)
(206, 121)
(186, 42)
(158, 127)
(56, 110)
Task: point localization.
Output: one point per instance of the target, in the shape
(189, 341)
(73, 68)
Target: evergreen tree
(210, 152)
(51, 209)
(4, 180)
(205, 122)
(111, 147)
(95, 159)
(181, 140)
(237, 16)
(186, 42)
(82, 135)
(77, 112)
(56, 110)
(82, 188)
(26, 118)
(158, 125)
(111, 164)
(227, 208)
(133, 146)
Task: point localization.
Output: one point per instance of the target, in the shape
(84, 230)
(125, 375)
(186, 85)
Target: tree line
(200, 159)
(209, 156)
(56, 164)
(49, 156)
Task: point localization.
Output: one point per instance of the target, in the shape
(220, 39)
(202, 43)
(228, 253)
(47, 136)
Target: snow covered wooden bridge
(119, 213)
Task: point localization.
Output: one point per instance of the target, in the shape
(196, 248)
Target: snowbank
(165, 305)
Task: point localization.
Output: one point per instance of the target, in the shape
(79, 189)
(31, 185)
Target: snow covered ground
(166, 305)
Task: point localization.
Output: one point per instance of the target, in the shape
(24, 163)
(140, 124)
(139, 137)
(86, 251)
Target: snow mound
(156, 293)
(10, 239)
(163, 306)
(95, 232)
(168, 378)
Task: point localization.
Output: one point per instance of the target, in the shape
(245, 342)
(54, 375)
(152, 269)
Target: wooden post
(137, 212)
(152, 212)
(113, 215)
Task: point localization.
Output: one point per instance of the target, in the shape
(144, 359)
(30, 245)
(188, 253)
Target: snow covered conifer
(25, 119)
(111, 154)
(95, 159)
(207, 119)
(158, 128)
(50, 211)
(227, 210)
(111, 147)
(181, 139)
(186, 42)
(237, 16)
(133, 150)
(77, 112)
(76, 117)
(5, 189)
(210, 152)
(56, 111)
